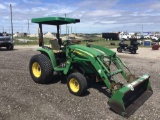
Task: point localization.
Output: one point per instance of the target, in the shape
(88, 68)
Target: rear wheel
(41, 69)
(119, 49)
(77, 84)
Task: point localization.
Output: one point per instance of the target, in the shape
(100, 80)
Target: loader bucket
(130, 97)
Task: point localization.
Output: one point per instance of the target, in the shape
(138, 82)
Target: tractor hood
(93, 52)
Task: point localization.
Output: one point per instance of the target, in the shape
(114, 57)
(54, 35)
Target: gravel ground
(22, 99)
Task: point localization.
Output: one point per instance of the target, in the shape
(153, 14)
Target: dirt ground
(22, 99)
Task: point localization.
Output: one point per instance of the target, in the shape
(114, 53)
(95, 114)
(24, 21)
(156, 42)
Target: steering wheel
(66, 42)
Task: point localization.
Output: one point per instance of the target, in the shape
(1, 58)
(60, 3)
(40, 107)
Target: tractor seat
(55, 46)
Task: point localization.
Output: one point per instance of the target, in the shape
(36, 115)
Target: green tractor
(79, 64)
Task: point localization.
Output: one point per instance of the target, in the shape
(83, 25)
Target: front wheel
(41, 69)
(77, 84)
(10, 47)
(119, 49)
(133, 51)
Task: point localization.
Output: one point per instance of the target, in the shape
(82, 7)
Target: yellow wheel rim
(36, 69)
(74, 85)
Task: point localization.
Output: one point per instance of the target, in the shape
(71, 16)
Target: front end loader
(83, 63)
(125, 98)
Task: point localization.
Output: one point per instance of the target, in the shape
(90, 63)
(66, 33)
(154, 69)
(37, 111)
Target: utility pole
(66, 27)
(59, 31)
(11, 21)
(28, 27)
(68, 32)
(75, 30)
(22, 29)
(71, 29)
(3, 29)
(142, 29)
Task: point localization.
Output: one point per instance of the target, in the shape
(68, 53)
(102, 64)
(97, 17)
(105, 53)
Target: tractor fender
(49, 53)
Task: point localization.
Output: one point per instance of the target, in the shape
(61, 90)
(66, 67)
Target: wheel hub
(74, 85)
(36, 69)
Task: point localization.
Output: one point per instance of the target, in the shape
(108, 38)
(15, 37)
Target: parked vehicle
(147, 36)
(6, 41)
(154, 38)
(126, 48)
(140, 37)
(124, 36)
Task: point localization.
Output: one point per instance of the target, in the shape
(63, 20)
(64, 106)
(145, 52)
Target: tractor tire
(119, 50)
(77, 84)
(41, 69)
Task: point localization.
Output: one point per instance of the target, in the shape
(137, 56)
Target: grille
(4, 39)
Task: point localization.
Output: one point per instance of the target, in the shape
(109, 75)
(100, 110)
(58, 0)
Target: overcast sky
(96, 16)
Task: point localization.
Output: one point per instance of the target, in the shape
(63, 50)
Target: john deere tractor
(79, 64)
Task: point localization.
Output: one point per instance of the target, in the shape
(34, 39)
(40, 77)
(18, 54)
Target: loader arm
(112, 57)
(125, 99)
